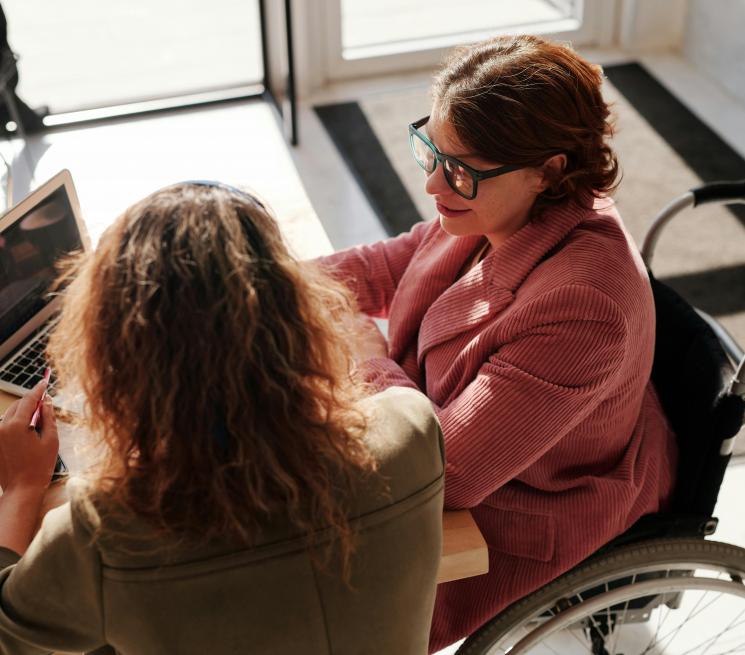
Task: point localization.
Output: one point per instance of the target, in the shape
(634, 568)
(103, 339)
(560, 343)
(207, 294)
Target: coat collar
(490, 286)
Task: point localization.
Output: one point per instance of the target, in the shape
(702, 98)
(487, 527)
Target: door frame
(596, 27)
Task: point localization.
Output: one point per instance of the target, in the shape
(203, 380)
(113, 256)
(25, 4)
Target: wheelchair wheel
(672, 596)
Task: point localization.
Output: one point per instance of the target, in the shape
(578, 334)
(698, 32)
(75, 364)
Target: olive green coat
(71, 592)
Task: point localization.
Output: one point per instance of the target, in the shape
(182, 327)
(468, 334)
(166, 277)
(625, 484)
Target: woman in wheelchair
(250, 497)
(525, 313)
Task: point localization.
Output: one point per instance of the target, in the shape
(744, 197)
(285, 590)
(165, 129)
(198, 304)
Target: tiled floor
(114, 165)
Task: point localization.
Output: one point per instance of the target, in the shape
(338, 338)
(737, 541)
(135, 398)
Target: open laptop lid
(34, 235)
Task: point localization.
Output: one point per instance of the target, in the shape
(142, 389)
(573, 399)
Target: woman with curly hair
(249, 496)
(525, 314)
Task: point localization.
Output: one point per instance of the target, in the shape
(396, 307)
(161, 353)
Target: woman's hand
(27, 457)
(367, 341)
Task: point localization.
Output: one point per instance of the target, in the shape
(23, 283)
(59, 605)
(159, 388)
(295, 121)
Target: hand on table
(27, 457)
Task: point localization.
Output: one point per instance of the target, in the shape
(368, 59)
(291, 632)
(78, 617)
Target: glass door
(384, 36)
(84, 54)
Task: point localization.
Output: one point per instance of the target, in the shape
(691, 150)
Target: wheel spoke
(572, 632)
(713, 639)
(660, 620)
(591, 617)
(608, 618)
(580, 642)
(617, 630)
(694, 611)
(687, 582)
(740, 648)
(739, 623)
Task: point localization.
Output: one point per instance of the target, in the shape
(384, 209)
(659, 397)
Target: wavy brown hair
(522, 99)
(214, 369)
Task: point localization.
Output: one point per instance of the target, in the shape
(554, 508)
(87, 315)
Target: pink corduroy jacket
(537, 362)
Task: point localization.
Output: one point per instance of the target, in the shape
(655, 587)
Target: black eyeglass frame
(475, 174)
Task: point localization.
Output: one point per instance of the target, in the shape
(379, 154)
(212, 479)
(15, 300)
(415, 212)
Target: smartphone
(60, 470)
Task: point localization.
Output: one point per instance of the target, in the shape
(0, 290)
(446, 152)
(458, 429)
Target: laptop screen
(29, 250)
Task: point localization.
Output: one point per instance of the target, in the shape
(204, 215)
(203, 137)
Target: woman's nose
(436, 182)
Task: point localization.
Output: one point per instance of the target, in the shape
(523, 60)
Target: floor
(115, 164)
(316, 200)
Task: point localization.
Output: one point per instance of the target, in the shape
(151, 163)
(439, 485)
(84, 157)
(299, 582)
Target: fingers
(28, 460)
(27, 404)
(12, 408)
(48, 421)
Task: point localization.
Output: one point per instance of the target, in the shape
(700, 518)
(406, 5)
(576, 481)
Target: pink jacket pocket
(518, 533)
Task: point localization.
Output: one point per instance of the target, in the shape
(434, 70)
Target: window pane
(367, 24)
(79, 54)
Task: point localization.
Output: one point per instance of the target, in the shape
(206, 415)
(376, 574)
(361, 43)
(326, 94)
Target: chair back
(691, 374)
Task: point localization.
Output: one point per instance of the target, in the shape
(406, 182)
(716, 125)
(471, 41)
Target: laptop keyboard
(27, 366)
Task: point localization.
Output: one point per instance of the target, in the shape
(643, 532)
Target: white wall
(708, 34)
(714, 42)
(651, 25)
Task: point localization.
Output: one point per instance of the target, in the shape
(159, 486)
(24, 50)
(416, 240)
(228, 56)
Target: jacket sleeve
(372, 272)
(50, 599)
(568, 346)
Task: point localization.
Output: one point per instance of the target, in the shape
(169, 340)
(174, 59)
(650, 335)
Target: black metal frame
(282, 96)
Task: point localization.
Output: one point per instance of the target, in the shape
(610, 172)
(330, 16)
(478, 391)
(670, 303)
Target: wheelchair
(661, 587)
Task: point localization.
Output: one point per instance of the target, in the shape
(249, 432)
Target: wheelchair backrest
(691, 373)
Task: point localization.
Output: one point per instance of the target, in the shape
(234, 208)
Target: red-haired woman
(525, 314)
(250, 499)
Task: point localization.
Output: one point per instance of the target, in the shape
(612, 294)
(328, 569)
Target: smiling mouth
(450, 213)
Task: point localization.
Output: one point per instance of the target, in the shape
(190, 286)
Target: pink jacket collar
(453, 306)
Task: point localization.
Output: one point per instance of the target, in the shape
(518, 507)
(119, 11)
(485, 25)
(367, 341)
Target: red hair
(522, 99)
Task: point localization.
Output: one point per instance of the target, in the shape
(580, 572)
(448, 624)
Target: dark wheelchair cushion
(691, 373)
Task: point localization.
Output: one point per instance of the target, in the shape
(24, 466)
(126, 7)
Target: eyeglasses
(462, 178)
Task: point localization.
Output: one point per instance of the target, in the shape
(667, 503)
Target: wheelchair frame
(657, 559)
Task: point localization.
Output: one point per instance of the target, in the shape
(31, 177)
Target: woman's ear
(551, 170)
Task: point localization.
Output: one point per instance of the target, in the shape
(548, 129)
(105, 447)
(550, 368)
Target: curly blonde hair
(214, 368)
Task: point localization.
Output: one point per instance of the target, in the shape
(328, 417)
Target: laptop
(34, 235)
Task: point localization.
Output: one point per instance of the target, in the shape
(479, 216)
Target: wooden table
(464, 551)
